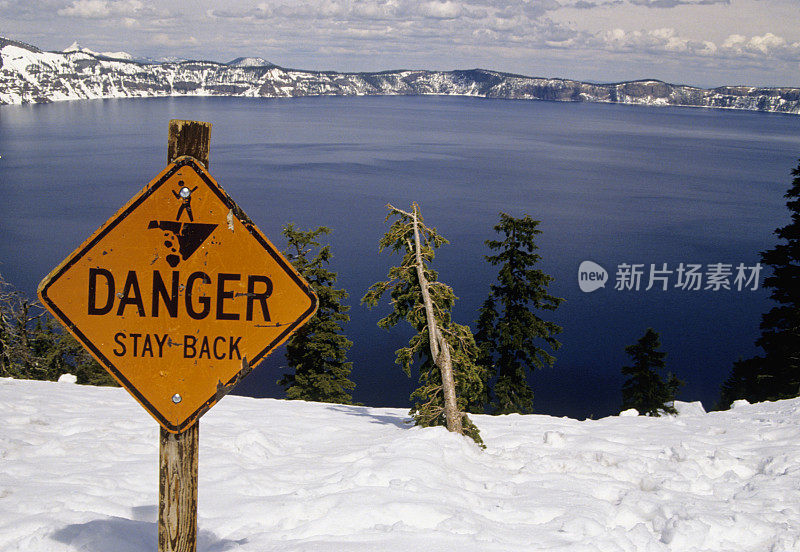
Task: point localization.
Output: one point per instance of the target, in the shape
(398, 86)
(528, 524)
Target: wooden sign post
(178, 295)
(178, 452)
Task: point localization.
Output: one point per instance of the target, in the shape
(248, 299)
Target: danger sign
(178, 295)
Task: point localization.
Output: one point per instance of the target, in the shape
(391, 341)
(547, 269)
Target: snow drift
(78, 472)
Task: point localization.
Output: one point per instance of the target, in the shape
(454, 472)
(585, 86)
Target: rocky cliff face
(29, 75)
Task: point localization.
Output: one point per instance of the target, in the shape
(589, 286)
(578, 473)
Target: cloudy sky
(700, 42)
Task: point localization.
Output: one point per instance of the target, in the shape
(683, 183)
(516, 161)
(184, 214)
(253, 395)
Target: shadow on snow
(131, 535)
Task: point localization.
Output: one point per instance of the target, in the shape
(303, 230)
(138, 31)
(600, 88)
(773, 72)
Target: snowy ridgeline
(29, 75)
(78, 472)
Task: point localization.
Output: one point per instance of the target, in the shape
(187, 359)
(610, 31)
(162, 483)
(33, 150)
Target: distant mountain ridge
(30, 75)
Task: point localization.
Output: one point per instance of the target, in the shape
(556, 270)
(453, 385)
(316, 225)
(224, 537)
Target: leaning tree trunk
(440, 350)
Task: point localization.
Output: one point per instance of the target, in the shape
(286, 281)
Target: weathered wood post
(178, 452)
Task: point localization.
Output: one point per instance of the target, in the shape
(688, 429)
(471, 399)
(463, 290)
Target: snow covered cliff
(29, 75)
(79, 472)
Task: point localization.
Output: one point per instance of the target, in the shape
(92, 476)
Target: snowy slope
(75, 47)
(78, 472)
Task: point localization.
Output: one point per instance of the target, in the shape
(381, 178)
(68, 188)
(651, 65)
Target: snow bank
(689, 409)
(78, 472)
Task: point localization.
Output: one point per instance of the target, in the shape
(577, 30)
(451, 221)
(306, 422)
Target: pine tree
(776, 374)
(33, 346)
(645, 390)
(509, 330)
(742, 383)
(449, 376)
(317, 352)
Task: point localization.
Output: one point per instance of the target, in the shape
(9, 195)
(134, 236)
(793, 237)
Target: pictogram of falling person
(185, 195)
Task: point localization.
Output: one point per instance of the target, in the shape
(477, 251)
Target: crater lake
(644, 193)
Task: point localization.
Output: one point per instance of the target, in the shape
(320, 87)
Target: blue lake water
(612, 184)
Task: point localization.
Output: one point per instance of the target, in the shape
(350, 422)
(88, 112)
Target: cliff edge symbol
(182, 239)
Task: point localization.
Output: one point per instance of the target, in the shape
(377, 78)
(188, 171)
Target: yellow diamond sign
(178, 295)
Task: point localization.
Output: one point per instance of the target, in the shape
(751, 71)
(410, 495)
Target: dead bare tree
(426, 303)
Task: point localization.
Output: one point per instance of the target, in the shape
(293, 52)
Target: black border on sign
(103, 232)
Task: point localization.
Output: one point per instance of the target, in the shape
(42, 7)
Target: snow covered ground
(78, 472)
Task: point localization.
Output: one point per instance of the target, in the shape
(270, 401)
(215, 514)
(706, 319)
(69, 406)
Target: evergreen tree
(509, 330)
(776, 374)
(449, 377)
(317, 352)
(743, 383)
(645, 390)
(33, 346)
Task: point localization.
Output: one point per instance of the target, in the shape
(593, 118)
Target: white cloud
(381, 10)
(734, 42)
(668, 40)
(88, 9)
(708, 48)
(764, 46)
(100, 9)
(368, 34)
(525, 36)
(653, 41)
(172, 40)
(441, 10)
(675, 3)
(388, 10)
